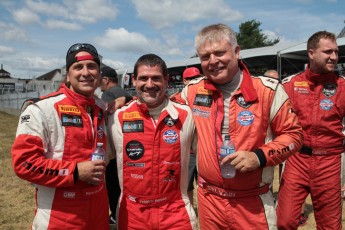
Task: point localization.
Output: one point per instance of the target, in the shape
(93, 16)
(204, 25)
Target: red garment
(152, 161)
(259, 112)
(54, 134)
(319, 102)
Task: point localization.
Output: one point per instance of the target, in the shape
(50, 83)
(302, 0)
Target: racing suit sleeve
(31, 158)
(286, 131)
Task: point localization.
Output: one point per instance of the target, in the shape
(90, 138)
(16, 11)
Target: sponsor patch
(170, 136)
(203, 100)
(69, 195)
(63, 172)
(171, 176)
(284, 150)
(201, 113)
(137, 176)
(169, 121)
(329, 90)
(100, 131)
(202, 90)
(133, 126)
(134, 150)
(24, 119)
(301, 90)
(70, 109)
(326, 104)
(71, 120)
(245, 118)
(139, 165)
(301, 84)
(241, 102)
(131, 115)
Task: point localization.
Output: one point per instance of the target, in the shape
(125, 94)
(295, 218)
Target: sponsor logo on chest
(71, 120)
(133, 126)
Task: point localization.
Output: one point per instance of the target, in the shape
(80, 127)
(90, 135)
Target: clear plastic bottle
(228, 147)
(98, 153)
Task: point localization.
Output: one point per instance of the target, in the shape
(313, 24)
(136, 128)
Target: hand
(114, 105)
(91, 172)
(243, 161)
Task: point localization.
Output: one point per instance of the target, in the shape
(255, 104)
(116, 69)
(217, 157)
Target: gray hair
(215, 33)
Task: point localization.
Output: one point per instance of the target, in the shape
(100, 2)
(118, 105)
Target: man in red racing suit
(256, 113)
(153, 137)
(318, 98)
(55, 138)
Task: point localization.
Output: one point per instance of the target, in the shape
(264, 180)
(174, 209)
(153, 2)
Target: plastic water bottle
(98, 153)
(228, 170)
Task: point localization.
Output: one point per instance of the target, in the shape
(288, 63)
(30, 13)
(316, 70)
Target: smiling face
(219, 60)
(84, 76)
(150, 85)
(324, 58)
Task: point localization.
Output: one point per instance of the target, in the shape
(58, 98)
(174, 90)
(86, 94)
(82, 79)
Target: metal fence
(12, 102)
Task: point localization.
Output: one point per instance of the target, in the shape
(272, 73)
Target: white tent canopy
(279, 55)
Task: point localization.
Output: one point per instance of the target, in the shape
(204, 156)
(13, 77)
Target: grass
(17, 196)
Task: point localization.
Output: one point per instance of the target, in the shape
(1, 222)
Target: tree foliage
(251, 36)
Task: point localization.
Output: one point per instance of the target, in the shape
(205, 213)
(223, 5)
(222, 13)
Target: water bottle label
(97, 157)
(226, 151)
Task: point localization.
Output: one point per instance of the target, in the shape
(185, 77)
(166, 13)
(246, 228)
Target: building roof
(4, 73)
(50, 75)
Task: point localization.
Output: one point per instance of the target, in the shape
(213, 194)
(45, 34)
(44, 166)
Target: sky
(36, 34)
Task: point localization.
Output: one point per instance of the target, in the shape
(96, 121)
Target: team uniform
(260, 119)
(111, 178)
(54, 134)
(152, 161)
(319, 102)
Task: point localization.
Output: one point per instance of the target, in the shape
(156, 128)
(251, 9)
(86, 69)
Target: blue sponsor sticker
(245, 118)
(100, 131)
(170, 136)
(326, 104)
(71, 120)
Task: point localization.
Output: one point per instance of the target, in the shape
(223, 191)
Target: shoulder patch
(29, 102)
(269, 82)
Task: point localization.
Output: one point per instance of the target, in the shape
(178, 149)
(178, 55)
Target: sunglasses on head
(79, 46)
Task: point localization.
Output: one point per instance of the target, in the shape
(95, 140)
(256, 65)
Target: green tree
(251, 36)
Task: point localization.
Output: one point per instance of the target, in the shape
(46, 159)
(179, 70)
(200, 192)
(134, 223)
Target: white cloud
(161, 14)
(57, 24)
(9, 32)
(123, 41)
(50, 9)
(6, 49)
(114, 64)
(65, 15)
(25, 16)
(91, 11)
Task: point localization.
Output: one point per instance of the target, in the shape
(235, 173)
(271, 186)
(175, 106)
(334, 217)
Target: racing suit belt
(225, 193)
(80, 193)
(309, 151)
(154, 200)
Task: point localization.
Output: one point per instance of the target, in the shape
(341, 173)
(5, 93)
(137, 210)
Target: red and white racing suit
(54, 134)
(260, 120)
(152, 162)
(319, 102)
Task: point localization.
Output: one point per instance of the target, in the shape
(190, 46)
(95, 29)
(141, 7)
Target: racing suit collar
(319, 78)
(246, 88)
(79, 99)
(171, 110)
